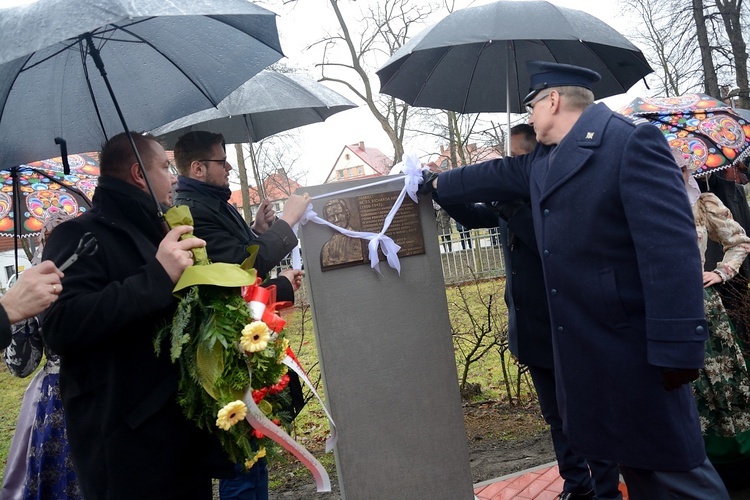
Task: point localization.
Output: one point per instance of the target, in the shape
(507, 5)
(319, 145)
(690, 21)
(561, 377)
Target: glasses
(222, 162)
(530, 105)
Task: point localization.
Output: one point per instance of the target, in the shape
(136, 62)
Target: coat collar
(554, 169)
(125, 208)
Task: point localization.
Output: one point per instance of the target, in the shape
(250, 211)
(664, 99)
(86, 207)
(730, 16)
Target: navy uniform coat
(623, 276)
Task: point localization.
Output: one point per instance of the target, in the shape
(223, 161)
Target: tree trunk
(710, 81)
(244, 187)
(451, 142)
(730, 11)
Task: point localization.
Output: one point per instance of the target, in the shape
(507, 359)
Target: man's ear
(197, 170)
(136, 174)
(554, 102)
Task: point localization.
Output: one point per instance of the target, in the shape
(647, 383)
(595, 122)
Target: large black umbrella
(268, 103)
(474, 60)
(156, 61)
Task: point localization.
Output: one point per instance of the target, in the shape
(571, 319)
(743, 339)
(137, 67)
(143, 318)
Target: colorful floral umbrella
(33, 190)
(703, 128)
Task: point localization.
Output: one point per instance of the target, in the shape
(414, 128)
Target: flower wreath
(227, 339)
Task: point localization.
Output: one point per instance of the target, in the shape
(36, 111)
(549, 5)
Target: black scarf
(188, 184)
(139, 206)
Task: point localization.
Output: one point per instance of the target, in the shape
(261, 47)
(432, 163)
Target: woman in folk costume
(39, 464)
(722, 390)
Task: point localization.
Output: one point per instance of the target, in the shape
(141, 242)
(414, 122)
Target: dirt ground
(502, 439)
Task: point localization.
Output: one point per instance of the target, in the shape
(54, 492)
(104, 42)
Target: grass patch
(311, 427)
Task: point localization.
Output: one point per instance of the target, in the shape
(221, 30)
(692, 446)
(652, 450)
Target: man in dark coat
(203, 185)
(529, 331)
(128, 435)
(622, 272)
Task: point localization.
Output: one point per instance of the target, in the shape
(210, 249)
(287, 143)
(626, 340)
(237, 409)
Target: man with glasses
(203, 185)
(622, 273)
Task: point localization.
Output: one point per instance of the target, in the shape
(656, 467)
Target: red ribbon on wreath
(263, 305)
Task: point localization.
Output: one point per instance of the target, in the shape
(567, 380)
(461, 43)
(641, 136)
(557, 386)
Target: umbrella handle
(63, 154)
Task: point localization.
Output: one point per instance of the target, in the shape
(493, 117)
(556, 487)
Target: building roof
(278, 187)
(372, 157)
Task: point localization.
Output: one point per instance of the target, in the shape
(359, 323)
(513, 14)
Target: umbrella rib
(90, 88)
(63, 49)
(5, 101)
(474, 72)
(585, 45)
(434, 67)
(167, 58)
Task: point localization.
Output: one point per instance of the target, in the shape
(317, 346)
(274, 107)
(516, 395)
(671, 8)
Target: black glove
(427, 177)
(508, 210)
(672, 378)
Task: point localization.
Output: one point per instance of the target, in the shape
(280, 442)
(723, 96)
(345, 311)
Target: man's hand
(429, 182)
(294, 276)
(672, 378)
(175, 255)
(35, 290)
(264, 217)
(295, 207)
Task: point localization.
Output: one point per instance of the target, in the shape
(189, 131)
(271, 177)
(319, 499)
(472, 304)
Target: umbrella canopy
(28, 195)
(157, 61)
(704, 129)
(265, 105)
(474, 60)
(84, 171)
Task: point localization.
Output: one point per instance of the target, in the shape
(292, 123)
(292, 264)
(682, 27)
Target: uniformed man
(623, 278)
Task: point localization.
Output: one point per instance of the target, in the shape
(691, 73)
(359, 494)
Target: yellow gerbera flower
(231, 414)
(252, 461)
(255, 336)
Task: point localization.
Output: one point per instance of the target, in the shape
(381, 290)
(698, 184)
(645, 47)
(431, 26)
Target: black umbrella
(474, 60)
(265, 105)
(157, 61)
(268, 103)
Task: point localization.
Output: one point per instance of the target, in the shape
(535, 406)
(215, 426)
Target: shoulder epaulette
(635, 120)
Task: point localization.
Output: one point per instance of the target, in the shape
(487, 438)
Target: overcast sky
(303, 22)
(308, 22)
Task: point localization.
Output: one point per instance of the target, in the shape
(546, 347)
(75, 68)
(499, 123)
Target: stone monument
(385, 349)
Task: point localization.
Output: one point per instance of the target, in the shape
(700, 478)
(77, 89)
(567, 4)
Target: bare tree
(384, 27)
(275, 165)
(244, 185)
(710, 80)
(670, 51)
(731, 11)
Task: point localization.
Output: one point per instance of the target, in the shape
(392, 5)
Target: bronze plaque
(368, 213)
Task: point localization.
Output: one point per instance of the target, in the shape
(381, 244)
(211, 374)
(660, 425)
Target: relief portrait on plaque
(340, 250)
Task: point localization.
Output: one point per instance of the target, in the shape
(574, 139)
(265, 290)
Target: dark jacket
(127, 433)
(5, 331)
(529, 335)
(622, 270)
(228, 236)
